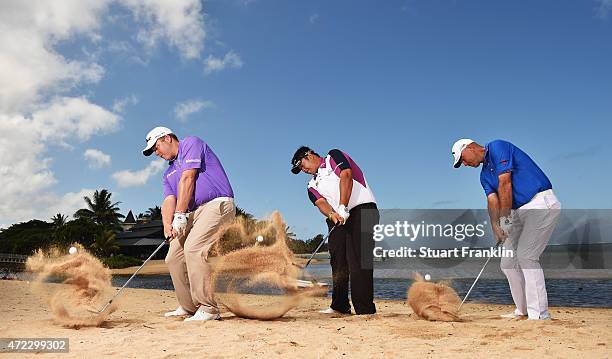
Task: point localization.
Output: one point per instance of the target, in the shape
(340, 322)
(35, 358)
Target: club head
(92, 310)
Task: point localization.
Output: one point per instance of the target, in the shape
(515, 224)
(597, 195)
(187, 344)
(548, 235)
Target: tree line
(96, 225)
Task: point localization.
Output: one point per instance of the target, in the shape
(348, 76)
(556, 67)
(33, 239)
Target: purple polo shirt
(211, 180)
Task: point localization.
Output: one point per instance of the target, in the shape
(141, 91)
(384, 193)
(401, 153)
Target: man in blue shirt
(523, 210)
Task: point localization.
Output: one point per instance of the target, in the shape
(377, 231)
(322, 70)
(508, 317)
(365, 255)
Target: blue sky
(392, 83)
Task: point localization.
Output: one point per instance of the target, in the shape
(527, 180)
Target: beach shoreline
(158, 266)
(138, 329)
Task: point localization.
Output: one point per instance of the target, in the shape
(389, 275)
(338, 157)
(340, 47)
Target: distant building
(142, 239)
(129, 221)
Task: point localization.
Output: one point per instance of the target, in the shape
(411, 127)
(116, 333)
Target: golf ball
(72, 250)
(259, 238)
(427, 277)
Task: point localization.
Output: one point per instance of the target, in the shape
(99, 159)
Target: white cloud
(120, 103)
(129, 178)
(70, 117)
(313, 18)
(29, 65)
(37, 108)
(25, 170)
(97, 158)
(182, 110)
(214, 64)
(604, 8)
(178, 22)
(50, 204)
(66, 204)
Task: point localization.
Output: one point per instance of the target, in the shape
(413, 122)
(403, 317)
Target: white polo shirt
(326, 183)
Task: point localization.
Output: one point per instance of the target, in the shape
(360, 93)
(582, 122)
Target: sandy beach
(138, 330)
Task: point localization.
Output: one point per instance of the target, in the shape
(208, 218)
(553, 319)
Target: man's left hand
(505, 223)
(179, 223)
(343, 212)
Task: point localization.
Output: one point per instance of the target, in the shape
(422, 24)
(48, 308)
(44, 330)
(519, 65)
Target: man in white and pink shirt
(341, 192)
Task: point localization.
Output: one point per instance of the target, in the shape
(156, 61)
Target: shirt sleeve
(193, 153)
(339, 161)
(167, 189)
(488, 189)
(501, 156)
(313, 195)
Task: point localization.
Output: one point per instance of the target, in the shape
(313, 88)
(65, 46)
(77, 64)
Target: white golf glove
(505, 223)
(343, 212)
(179, 223)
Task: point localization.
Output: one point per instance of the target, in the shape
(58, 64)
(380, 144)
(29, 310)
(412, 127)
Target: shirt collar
(487, 160)
(321, 165)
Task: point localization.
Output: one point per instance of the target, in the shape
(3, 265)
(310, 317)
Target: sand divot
(434, 301)
(86, 282)
(272, 265)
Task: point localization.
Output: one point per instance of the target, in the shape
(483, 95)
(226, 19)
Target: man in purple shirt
(198, 200)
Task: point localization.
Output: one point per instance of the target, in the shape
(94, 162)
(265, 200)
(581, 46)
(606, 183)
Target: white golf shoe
(514, 315)
(177, 313)
(333, 311)
(201, 315)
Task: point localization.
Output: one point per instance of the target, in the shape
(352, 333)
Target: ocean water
(561, 292)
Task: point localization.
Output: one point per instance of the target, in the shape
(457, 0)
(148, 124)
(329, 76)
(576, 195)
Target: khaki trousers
(187, 258)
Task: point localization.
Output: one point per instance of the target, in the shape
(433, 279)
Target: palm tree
(58, 220)
(105, 243)
(101, 210)
(242, 213)
(289, 234)
(154, 213)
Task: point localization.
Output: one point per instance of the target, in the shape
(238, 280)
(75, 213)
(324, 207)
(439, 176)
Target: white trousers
(532, 226)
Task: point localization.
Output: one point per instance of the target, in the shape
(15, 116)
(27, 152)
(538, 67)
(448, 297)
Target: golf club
(128, 281)
(305, 283)
(477, 277)
(319, 246)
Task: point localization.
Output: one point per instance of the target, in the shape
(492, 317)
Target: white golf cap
(152, 137)
(458, 147)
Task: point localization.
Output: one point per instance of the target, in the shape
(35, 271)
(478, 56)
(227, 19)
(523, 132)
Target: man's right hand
(336, 218)
(169, 233)
(500, 235)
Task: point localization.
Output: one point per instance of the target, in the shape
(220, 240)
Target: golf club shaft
(477, 277)
(133, 275)
(319, 247)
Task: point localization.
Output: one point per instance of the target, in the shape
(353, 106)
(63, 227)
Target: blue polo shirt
(527, 178)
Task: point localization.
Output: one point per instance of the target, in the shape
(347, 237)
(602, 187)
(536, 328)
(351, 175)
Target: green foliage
(101, 210)
(244, 214)
(59, 220)
(81, 230)
(299, 246)
(104, 244)
(26, 237)
(154, 213)
(121, 261)
(94, 225)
